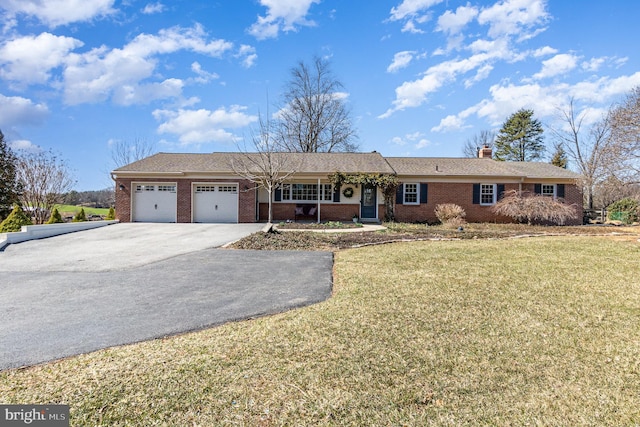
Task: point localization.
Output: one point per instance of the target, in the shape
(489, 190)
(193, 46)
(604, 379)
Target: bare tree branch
(477, 141)
(44, 179)
(124, 152)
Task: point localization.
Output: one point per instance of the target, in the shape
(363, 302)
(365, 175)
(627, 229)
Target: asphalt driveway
(126, 283)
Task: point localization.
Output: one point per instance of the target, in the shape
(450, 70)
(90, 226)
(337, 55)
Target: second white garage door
(215, 202)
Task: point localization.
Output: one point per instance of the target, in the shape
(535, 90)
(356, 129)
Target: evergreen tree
(14, 222)
(111, 215)
(520, 138)
(9, 188)
(560, 158)
(80, 216)
(55, 217)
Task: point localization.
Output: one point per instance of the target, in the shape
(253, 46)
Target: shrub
(111, 215)
(55, 217)
(450, 214)
(80, 216)
(625, 210)
(14, 222)
(525, 207)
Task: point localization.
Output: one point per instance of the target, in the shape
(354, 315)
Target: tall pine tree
(9, 188)
(520, 139)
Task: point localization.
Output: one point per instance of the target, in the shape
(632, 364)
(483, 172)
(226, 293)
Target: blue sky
(420, 76)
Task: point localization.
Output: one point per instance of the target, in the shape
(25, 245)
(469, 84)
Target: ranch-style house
(185, 188)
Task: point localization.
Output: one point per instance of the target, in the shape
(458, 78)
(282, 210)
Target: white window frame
(416, 193)
(494, 191)
(325, 194)
(552, 187)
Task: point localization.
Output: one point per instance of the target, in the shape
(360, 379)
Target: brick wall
(328, 212)
(246, 202)
(462, 194)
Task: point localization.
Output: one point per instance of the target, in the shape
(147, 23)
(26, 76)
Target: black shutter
(336, 194)
(476, 194)
(537, 188)
(500, 191)
(278, 195)
(423, 192)
(399, 194)
(560, 190)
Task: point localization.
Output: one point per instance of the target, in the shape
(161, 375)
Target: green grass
(72, 210)
(538, 331)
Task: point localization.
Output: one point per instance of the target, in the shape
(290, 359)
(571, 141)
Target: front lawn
(538, 331)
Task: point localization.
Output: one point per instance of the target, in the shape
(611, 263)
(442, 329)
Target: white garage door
(154, 202)
(215, 203)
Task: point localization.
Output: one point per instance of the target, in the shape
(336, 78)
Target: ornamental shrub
(55, 217)
(14, 222)
(80, 216)
(626, 210)
(111, 215)
(524, 207)
(450, 214)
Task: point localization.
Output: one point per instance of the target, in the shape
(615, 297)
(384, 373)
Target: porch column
(318, 201)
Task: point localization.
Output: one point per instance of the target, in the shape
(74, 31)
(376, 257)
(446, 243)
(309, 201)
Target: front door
(368, 202)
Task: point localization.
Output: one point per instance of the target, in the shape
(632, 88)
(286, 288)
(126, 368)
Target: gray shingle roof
(326, 163)
(460, 167)
(311, 163)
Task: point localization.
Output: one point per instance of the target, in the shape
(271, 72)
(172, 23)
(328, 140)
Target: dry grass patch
(474, 332)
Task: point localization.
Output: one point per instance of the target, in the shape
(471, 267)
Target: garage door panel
(215, 203)
(154, 202)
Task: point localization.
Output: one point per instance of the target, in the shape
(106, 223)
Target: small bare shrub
(450, 214)
(529, 208)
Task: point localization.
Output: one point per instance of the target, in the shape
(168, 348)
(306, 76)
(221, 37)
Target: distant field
(72, 210)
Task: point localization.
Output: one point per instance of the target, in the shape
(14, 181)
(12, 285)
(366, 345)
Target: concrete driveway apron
(126, 283)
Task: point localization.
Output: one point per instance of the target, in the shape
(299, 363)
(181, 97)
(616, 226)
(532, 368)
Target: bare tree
(625, 134)
(124, 152)
(44, 179)
(265, 167)
(477, 141)
(589, 150)
(526, 207)
(315, 117)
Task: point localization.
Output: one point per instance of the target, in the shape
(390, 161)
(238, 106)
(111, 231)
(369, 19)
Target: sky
(420, 77)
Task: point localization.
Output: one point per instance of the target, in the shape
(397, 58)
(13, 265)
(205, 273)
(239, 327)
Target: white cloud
(101, 73)
(24, 145)
(411, 8)
(203, 126)
(282, 15)
(248, 55)
(203, 76)
(449, 123)
(544, 51)
(400, 61)
(152, 8)
(559, 64)
(59, 12)
(30, 59)
(513, 17)
(16, 111)
(453, 22)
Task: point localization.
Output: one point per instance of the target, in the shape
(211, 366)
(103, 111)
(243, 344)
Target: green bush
(14, 222)
(80, 216)
(111, 215)
(625, 210)
(55, 217)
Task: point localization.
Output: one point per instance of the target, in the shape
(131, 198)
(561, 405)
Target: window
(410, 194)
(228, 188)
(170, 188)
(548, 190)
(140, 188)
(487, 194)
(306, 192)
(204, 188)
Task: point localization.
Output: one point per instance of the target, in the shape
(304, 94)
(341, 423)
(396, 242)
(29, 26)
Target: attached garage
(215, 202)
(154, 202)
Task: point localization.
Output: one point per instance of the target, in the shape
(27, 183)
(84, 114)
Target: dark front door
(368, 202)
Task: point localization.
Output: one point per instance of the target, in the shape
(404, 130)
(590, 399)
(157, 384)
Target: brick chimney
(485, 152)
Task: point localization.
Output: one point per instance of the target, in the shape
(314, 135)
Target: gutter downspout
(318, 201)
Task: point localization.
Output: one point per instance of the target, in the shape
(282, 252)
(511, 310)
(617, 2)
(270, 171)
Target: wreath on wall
(348, 192)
